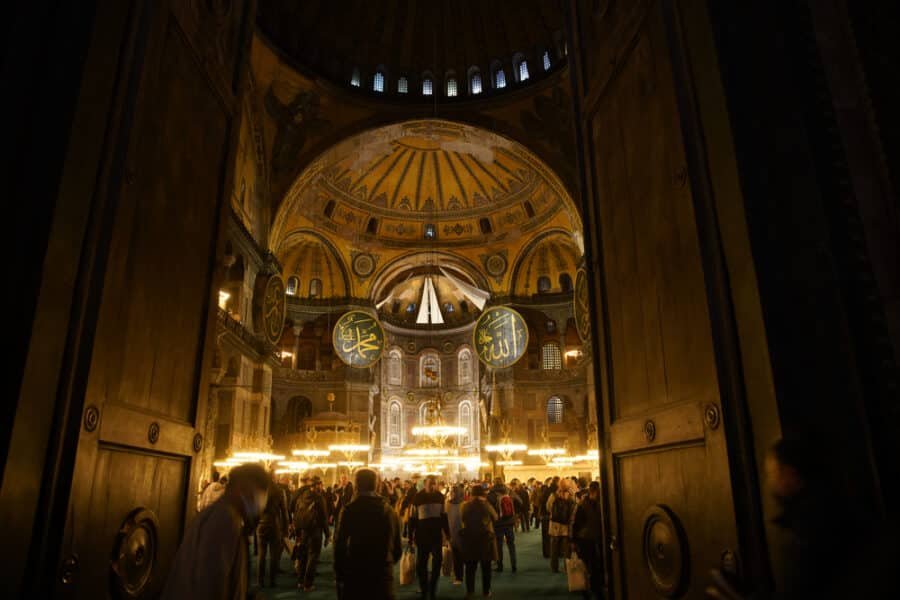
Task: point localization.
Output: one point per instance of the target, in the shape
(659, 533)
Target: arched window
(394, 424)
(315, 288)
(520, 67)
(464, 362)
(293, 284)
(378, 81)
(465, 421)
(411, 307)
(555, 410)
(395, 308)
(543, 284)
(427, 84)
(448, 307)
(430, 232)
(354, 78)
(395, 368)
(464, 306)
(529, 209)
(546, 59)
(550, 357)
(565, 282)
(485, 225)
(329, 208)
(402, 85)
(430, 370)
(372, 226)
(451, 86)
(474, 80)
(500, 79)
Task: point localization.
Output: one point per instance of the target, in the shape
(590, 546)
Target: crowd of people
(458, 529)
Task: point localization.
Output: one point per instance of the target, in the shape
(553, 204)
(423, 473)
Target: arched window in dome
(329, 208)
(464, 306)
(551, 359)
(565, 282)
(448, 307)
(464, 363)
(555, 410)
(427, 84)
(520, 67)
(354, 78)
(430, 370)
(378, 81)
(546, 59)
(372, 226)
(402, 85)
(411, 307)
(543, 284)
(451, 86)
(498, 75)
(315, 288)
(395, 418)
(293, 284)
(395, 367)
(474, 80)
(395, 308)
(465, 421)
(485, 225)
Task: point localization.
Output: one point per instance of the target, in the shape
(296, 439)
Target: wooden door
(136, 468)
(670, 510)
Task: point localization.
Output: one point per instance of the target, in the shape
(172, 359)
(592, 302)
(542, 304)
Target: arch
(473, 76)
(565, 250)
(451, 86)
(551, 358)
(395, 367)
(329, 209)
(429, 369)
(565, 282)
(520, 67)
(555, 410)
(372, 226)
(403, 85)
(315, 288)
(464, 418)
(378, 79)
(484, 224)
(465, 372)
(298, 242)
(498, 75)
(543, 284)
(546, 60)
(299, 408)
(292, 285)
(393, 271)
(427, 83)
(395, 423)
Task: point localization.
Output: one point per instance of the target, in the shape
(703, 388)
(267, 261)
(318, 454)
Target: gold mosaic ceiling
(425, 182)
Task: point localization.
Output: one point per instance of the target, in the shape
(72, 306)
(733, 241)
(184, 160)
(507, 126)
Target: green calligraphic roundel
(358, 339)
(500, 337)
(269, 306)
(582, 308)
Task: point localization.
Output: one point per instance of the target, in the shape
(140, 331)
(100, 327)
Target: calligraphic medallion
(501, 337)
(582, 306)
(270, 307)
(358, 339)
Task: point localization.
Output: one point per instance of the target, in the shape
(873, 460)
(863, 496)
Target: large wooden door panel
(666, 454)
(146, 386)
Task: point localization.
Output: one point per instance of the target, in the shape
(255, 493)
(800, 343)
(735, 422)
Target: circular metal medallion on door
(134, 554)
(665, 550)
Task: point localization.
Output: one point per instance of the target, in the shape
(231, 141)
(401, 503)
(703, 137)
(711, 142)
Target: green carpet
(533, 579)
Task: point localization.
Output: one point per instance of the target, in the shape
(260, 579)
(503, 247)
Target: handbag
(408, 567)
(576, 571)
(447, 562)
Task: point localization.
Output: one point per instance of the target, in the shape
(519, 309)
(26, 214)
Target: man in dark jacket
(366, 544)
(429, 527)
(311, 525)
(273, 525)
(507, 506)
(586, 537)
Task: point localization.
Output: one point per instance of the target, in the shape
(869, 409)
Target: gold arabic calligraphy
(359, 338)
(500, 337)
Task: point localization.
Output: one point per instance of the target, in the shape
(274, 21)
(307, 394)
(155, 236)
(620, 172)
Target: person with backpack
(560, 507)
(505, 529)
(367, 543)
(310, 525)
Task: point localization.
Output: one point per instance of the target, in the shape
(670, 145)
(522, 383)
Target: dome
(417, 183)
(370, 46)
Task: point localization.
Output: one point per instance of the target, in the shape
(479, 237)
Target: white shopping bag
(577, 573)
(408, 567)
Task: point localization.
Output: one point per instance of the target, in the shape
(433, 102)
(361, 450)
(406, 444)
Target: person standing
(269, 533)
(428, 527)
(479, 543)
(587, 536)
(367, 544)
(505, 504)
(311, 526)
(560, 506)
(211, 492)
(212, 560)
(454, 519)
